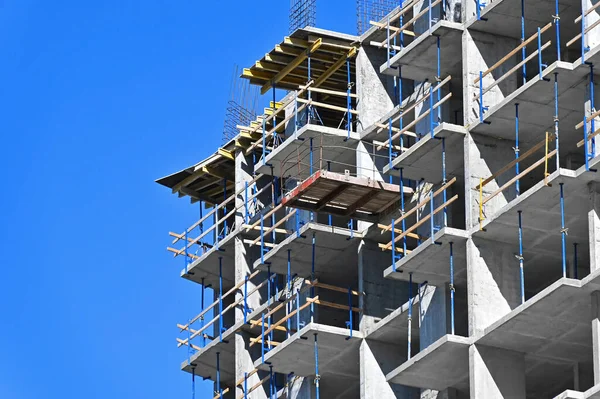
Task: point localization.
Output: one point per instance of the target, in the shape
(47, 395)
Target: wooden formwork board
(343, 195)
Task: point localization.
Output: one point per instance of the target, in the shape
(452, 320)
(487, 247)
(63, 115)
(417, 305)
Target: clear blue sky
(97, 101)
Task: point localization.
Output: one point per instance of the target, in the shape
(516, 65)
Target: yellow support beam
(227, 154)
(327, 74)
(292, 65)
(217, 172)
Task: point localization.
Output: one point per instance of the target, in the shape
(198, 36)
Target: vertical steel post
(556, 120)
(193, 382)
(220, 298)
(317, 376)
(431, 210)
(348, 99)
(402, 210)
(451, 288)
(523, 50)
(521, 265)
(202, 317)
(289, 289)
(575, 272)
(444, 180)
(312, 277)
(246, 299)
(410, 299)
(517, 183)
(219, 375)
(557, 24)
(563, 231)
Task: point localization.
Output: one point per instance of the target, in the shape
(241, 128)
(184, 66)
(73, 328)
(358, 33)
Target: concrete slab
(593, 392)
(537, 109)
(540, 206)
(328, 144)
(431, 261)
(443, 364)
(207, 266)
(554, 324)
(423, 160)
(338, 355)
(393, 328)
(570, 394)
(503, 17)
(418, 58)
(591, 57)
(335, 253)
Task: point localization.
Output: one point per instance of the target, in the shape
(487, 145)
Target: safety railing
(221, 223)
(404, 233)
(522, 64)
(268, 325)
(217, 322)
(544, 144)
(585, 29)
(433, 109)
(395, 34)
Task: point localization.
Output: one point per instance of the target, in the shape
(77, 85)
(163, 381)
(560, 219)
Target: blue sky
(98, 99)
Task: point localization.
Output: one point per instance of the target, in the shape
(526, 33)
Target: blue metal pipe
(202, 317)
(317, 376)
(557, 23)
(220, 299)
(556, 120)
(219, 375)
(289, 288)
(431, 210)
(563, 231)
(410, 299)
(193, 382)
(575, 271)
(523, 50)
(517, 183)
(348, 98)
(451, 288)
(444, 180)
(312, 276)
(402, 210)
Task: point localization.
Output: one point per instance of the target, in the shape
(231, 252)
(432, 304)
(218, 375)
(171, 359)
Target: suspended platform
(444, 364)
(362, 198)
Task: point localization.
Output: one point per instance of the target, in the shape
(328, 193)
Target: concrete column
(376, 360)
(375, 91)
(493, 283)
(496, 373)
(434, 320)
(380, 295)
(595, 298)
(594, 227)
(244, 258)
(481, 51)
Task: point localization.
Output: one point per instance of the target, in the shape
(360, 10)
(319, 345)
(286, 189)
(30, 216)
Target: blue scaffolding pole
(520, 258)
(563, 231)
(317, 376)
(451, 288)
(517, 183)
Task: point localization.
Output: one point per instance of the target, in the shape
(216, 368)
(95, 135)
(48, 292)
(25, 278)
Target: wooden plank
(417, 120)
(527, 154)
(513, 52)
(410, 22)
(177, 252)
(587, 12)
(420, 204)
(398, 249)
(327, 106)
(519, 176)
(330, 287)
(330, 92)
(279, 223)
(388, 246)
(333, 305)
(591, 136)
(588, 119)
(283, 320)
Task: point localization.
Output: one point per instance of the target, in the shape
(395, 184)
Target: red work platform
(344, 195)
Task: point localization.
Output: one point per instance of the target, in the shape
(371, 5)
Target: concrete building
(416, 215)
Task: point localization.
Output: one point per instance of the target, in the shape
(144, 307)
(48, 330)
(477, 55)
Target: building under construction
(416, 214)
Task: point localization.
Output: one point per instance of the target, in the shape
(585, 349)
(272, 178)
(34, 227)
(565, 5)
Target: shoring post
(350, 321)
(431, 87)
(563, 230)
(220, 392)
(410, 299)
(246, 202)
(387, 42)
(311, 169)
(193, 381)
(271, 382)
(296, 114)
(431, 210)
(523, 50)
(517, 183)
(264, 141)
(312, 276)
(540, 64)
(482, 109)
(202, 317)
(185, 256)
(402, 209)
(520, 257)
(575, 272)
(262, 337)
(317, 376)
(246, 299)
(297, 311)
(438, 80)
(220, 299)
(583, 19)
(329, 169)
(274, 115)
(348, 100)
(262, 239)
(289, 289)
(452, 287)
(556, 119)
(216, 224)
(394, 244)
(429, 15)
(557, 24)
(444, 180)
(309, 93)
(592, 110)
(390, 146)
(245, 385)
(224, 208)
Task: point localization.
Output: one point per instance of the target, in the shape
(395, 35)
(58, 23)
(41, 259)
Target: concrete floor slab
(537, 108)
(431, 261)
(593, 392)
(443, 364)
(206, 268)
(503, 17)
(328, 144)
(554, 324)
(335, 254)
(418, 58)
(393, 328)
(338, 356)
(541, 226)
(423, 160)
(205, 362)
